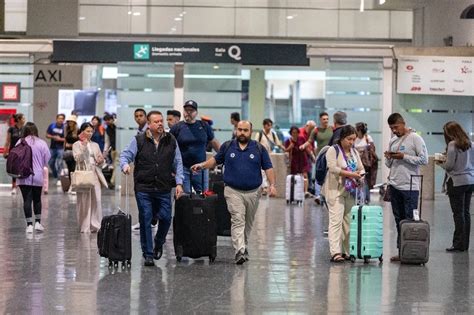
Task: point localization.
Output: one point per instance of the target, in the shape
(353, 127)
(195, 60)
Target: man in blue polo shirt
(193, 136)
(243, 159)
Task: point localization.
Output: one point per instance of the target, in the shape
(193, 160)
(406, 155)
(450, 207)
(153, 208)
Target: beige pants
(89, 208)
(242, 207)
(339, 223)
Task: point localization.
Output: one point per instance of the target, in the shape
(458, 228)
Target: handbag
(387, 194)
(82, 178)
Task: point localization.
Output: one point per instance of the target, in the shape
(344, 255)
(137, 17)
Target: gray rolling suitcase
(415, 235)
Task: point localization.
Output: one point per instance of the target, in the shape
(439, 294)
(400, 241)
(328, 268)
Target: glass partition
(218, 91)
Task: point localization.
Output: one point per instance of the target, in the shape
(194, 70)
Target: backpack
(322, 164)
(20, 161)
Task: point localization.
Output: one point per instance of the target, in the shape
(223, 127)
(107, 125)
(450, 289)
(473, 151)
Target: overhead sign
(116, 51)
(10, 92)
(436, 75)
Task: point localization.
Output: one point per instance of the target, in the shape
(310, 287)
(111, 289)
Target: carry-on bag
(222, 212)
(414, 244)
(366, 230)
(114, 238)
(194, 226)
(64, 179)
(294, 189)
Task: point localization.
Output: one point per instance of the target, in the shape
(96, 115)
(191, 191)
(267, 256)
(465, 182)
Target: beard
(243, 139)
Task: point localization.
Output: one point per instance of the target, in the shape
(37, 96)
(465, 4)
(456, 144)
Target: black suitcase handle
(420, 197)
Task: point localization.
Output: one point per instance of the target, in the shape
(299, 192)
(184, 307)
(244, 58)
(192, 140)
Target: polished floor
(59, 271)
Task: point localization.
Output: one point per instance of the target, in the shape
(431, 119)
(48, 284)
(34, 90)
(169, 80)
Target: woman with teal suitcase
(344, 173)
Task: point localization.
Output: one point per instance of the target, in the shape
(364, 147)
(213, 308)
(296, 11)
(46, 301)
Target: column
(53, 18)
(257, 97)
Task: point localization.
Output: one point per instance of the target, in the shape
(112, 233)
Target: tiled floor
(289, 271)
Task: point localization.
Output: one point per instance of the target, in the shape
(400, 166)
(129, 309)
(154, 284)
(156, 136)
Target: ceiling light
(177, 19)
(82, 18)
(361, 6)
(184, 12)
(381, 1)
(290, 17)
(137, 13)
(173, 29)
(129, 12)
(215, 67)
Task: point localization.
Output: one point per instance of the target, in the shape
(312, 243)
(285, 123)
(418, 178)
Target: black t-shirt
(15, 134)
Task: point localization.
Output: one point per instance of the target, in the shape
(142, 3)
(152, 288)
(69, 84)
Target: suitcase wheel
(352, 258)
(380, 259)
(111, 264)
(366, 260)
(212, 259)
(178, 258)
(116, 264)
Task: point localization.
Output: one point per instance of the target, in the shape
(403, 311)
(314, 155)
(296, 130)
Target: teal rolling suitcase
(366, 234)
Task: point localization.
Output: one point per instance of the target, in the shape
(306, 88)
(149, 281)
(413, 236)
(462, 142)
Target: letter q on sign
(234, 52)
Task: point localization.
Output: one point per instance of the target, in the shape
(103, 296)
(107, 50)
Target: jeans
(195, 180)
(403, 203)
(31, 195)
(153, 204)
(460, 201)
(56, 161)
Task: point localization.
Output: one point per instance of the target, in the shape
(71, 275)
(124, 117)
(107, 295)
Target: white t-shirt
(361, 143)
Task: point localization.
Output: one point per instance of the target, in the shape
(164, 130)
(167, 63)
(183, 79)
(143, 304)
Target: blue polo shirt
(192, 140)
(243, 167)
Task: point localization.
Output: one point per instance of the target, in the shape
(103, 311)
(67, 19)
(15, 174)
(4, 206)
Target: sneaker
(13, 191)
(29, 229)
(149, 262)
(239, 258)
(246, 255)
(58, 183)
(153, 226)
(136, 227)
(39, 227)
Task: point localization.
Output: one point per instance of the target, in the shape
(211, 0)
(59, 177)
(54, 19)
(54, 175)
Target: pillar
(257, 97)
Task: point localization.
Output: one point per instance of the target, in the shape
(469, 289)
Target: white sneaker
(29, 229)
(154, 226)
(58, 183)
(13, 191)
(136, 227)
(39, 227)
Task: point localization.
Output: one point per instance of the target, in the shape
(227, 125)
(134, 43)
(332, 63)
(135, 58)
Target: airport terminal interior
(287, 61)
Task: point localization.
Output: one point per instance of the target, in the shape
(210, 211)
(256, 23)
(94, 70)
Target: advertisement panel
(436, 75)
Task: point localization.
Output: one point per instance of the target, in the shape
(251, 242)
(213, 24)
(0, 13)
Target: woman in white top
(87, 155)
(364, 144)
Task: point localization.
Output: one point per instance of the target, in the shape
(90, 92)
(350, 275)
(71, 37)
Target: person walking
(172, 117)
(71, 136)
(110, 146)
(158, 168)
(193, 136)
(32, 186)
(243, 160)
(345, 170)
(14, 133)
(406, 153)
(88, 155)
(298, 159)
(459, 182)
(55, 132)
(98, 135)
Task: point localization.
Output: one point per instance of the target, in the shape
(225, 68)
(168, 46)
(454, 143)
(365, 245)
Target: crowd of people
(168, 162)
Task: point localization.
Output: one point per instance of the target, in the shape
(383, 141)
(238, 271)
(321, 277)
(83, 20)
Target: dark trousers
(31, 196)
(460, 201)
(403, 203)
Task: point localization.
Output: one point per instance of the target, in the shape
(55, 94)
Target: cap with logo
(191, 103)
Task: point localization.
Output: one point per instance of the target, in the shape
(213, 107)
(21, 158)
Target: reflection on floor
(288, 272)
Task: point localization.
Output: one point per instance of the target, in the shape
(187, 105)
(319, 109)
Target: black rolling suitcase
(415, 236)
(114, 238)
(222, 212)
(194, 227)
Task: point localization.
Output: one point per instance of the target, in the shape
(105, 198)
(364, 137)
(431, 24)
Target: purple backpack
(20, 161)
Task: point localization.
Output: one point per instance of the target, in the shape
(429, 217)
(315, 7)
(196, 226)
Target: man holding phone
(406, 153)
